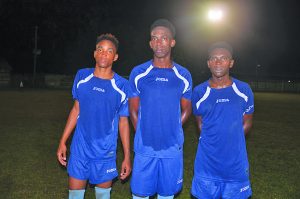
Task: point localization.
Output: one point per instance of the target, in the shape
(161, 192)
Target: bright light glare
(215, 15)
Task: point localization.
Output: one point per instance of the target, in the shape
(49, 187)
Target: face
(105, 54)
(220, 61)
(161, 42)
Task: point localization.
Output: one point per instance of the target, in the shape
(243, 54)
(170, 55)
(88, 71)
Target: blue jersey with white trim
(159, 130)
(221, 153)
(101, 103)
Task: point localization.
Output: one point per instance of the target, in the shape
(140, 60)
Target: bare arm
(186, 109)
(199, 123)
(134, 110)
(125, 138)
(70, 125)
(247, 123)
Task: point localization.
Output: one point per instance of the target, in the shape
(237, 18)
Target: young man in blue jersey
(100, 109)
(160, 103)
(223, 107)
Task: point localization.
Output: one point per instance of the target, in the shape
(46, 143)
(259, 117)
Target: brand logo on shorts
(99, 89)
(111, 170)
(245, 188)
(179, 181)
(161, 79)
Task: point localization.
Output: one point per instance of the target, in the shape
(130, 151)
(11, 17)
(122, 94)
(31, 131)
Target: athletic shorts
(151, 175)
(209, 189)
(96, 172)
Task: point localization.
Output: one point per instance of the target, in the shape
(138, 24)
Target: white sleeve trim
(123, 95)
(85, 80)
(185, 81)
(205, 96)
(136, 79)
(239, 93)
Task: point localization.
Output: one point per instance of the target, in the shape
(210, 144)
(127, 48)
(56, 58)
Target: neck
(220, 82)
(103, 73)
(162, 62)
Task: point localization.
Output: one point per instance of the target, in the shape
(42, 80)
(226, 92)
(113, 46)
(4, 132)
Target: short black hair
(165, 23)
(110, 37)
(220, 44)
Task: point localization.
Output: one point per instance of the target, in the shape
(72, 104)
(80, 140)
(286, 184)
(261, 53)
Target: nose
(104, 53)
(158, 41)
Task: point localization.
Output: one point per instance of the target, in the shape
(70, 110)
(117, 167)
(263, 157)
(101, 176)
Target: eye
(99, 49)
(213, 59)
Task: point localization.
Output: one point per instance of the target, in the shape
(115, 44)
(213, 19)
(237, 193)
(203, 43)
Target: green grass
(31, 123)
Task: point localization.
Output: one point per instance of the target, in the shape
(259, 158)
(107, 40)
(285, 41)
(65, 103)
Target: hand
(61, 154)
(126, 169)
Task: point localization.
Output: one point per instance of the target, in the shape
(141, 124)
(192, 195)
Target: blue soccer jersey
(159, 130)
(221, 153)
(101, 102)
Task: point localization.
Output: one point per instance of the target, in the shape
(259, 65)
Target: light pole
(256, 74)
(35, 52)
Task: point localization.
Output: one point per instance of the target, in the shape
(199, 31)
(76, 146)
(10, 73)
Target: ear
(231, 63)
(116, 57)
(150, 44)
(95, 52)
(208, 64)
(173, 42)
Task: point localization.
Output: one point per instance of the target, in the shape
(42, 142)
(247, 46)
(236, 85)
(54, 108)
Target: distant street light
(215, 15)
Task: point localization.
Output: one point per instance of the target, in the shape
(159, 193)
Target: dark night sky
(264, 32)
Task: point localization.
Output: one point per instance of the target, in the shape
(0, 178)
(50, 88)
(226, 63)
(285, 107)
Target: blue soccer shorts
(209, 189)
(96, 172)
(151, 175)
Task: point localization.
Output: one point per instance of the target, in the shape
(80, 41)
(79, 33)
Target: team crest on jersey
(161, 79)
(222, 100)
(98, 89)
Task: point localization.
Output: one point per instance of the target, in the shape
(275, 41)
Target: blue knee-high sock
(76, 194)
(164, 197)
(102, 193)
(138, 197)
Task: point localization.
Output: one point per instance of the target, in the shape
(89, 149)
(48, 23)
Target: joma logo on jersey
(249, 108)
(161, 79)
(222, 100)
(179, 181)
(110, 170)
(245, 188)
(99, 89)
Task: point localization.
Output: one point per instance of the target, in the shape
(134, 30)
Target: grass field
(31, 123)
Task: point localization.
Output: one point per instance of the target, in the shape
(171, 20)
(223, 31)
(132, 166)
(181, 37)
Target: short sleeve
(187, 94)
(195, 99)
(249, 108)
(133, 91)
(124, 108)
(74, 88)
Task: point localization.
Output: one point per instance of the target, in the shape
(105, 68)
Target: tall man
(100, 108)
(159, 105)
(223, 107)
